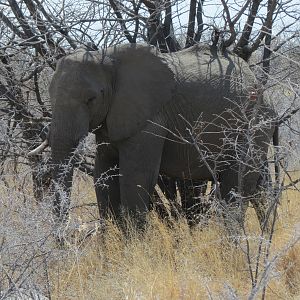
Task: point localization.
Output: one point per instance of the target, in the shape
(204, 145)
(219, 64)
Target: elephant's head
(121, 88)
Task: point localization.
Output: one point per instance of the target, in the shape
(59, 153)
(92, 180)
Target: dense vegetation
(164, 263)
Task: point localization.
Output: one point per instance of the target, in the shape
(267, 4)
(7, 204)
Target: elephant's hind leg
(262, 204)
(235, 200)
(192, 194)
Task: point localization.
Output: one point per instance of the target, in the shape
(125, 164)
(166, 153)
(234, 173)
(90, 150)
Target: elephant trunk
(65, 136)
(63, 166)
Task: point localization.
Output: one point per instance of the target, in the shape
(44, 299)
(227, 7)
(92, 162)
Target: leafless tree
(35, 33)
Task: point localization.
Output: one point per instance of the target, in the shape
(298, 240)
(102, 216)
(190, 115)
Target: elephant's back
(208, 86)
(208, 83)
(204, 68)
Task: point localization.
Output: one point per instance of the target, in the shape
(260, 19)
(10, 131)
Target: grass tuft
(165, 261)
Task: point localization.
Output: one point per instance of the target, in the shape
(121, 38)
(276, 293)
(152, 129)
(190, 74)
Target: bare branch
(230, 23)
(114, 6)
(191, 24)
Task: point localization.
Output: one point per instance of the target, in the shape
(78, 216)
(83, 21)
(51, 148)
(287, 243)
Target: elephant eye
(90, 100)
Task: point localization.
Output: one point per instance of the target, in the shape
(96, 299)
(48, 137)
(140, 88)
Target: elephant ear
(144, 83)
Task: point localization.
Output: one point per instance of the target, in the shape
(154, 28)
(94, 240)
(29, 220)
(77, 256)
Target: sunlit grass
(165, 261)
(174, 262)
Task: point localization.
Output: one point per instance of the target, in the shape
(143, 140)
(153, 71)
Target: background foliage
(35, 33)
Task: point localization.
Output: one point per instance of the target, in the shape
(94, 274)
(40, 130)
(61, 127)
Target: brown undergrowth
(174, 262)
(166, 261)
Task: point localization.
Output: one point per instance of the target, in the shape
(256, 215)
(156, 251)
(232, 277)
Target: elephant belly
(183, 161)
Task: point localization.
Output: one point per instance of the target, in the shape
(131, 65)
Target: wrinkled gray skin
(135, 98)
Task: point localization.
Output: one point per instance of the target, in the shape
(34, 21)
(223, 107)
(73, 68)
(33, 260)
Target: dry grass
(165, 262)
(175, 263)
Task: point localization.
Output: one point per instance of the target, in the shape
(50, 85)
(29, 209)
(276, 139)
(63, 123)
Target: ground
(166, 261)
(174, 262)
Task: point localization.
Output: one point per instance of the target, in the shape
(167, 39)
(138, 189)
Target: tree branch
(267, 26)
(232, 37)
(121, 20)
(191, 24)
(172, 43)
(59, 28)
(241, 49)
(199, 21)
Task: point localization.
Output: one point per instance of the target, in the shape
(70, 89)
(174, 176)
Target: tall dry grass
(164, 262)
(174, 262)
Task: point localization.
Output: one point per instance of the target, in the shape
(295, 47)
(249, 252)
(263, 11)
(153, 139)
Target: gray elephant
(194, 206)
(195, 114)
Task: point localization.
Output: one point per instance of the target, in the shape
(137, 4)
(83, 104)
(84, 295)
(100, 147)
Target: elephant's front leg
(140, 158)
(106, 180)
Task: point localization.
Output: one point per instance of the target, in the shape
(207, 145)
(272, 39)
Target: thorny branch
(34, 34)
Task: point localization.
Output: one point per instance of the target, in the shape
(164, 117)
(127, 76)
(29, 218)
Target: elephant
(194, 204)
(196, 114)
